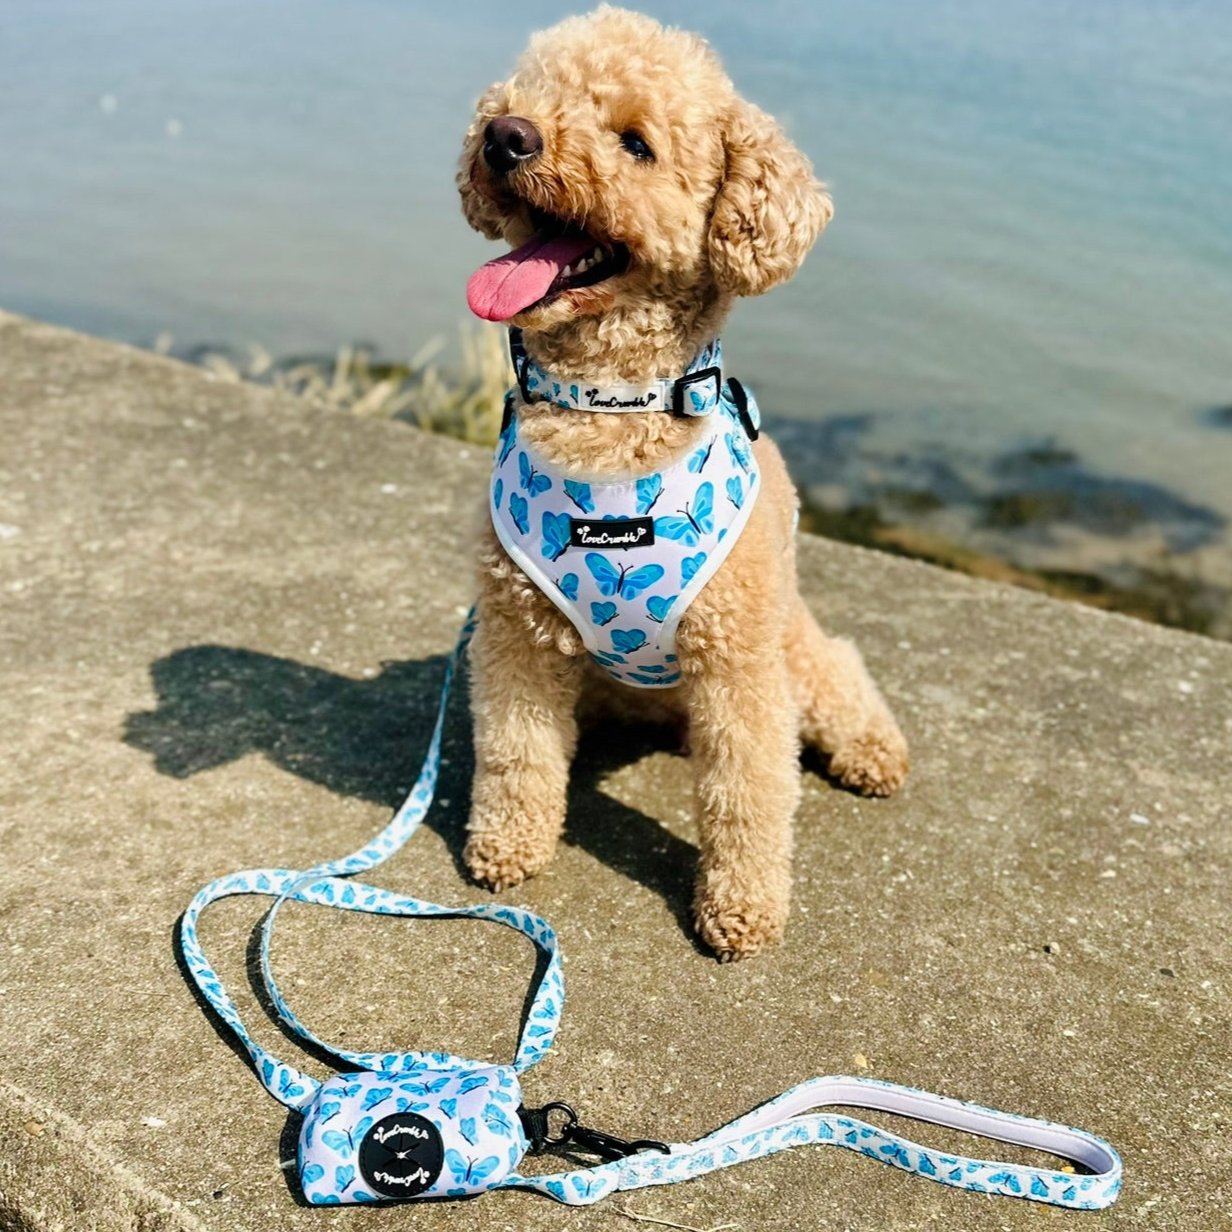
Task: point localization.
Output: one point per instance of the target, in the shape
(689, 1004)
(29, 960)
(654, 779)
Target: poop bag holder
(405, 1125)
(399, 1136)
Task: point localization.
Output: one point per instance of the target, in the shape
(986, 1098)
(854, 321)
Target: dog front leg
(523, 698)
(743, 731)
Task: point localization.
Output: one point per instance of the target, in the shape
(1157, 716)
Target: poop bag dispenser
(373, 1136)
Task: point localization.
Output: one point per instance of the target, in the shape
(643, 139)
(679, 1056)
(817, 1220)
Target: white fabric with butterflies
(626, 603)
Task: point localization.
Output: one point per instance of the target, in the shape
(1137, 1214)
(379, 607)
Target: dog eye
(635, 143)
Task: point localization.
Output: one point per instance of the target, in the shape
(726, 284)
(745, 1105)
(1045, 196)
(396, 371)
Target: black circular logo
(401, 1155)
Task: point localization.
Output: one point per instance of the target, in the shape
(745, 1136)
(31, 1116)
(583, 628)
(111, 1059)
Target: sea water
(1026, 289)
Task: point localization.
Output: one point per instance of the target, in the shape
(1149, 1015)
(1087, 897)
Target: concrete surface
(222, 618)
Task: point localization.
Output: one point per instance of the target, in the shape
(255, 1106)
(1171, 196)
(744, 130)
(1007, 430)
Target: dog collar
(696, 393)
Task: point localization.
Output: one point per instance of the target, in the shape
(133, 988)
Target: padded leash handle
(789, 1121)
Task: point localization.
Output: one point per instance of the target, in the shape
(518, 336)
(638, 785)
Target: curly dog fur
(727, 207)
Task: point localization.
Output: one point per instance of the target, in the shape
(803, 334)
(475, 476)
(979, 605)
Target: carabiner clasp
(537, 1122)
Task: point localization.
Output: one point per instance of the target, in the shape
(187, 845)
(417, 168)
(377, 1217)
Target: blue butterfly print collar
(698, 392)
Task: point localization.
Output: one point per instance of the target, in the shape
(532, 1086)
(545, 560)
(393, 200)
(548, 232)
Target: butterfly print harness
(623, 559)
(396, 1125)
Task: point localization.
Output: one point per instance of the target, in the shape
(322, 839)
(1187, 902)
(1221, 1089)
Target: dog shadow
(366, 738)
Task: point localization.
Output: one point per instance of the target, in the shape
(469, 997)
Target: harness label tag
(611, 534)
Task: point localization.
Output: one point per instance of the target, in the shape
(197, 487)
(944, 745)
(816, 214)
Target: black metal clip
(537, 1124)
(740, 400)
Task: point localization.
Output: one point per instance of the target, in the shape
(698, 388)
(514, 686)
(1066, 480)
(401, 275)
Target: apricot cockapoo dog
(641, 552)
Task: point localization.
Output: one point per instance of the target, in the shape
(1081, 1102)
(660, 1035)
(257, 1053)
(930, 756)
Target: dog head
(623, 169)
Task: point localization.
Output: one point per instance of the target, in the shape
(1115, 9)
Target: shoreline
(1036, 517)
(1158, 596)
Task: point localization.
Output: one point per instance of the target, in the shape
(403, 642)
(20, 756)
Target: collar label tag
(611, 534)
(612, 399)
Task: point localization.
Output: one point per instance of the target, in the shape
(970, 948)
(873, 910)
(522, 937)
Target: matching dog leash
(412, 1124)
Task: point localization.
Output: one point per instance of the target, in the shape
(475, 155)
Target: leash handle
(789, 1120)
(323, 885)
(297, 1089)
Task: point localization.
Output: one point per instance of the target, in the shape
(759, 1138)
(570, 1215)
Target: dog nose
(509, 141)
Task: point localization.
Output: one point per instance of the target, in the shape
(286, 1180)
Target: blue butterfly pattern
(520, 512)
(737, 446)
(533, 481)
(689, 567)
(469, 1171)
(622, 580)
(556, 528)
(490, 1136)
(697, 459)
(648, 492)
(635, 579)
(628, 640)
(508, 439)
(696, 518)
(657, 607)
(579, 494)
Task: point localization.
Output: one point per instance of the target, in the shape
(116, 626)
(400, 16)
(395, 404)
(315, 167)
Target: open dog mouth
(559, 257)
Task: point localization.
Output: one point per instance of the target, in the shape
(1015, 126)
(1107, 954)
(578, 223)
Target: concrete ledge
(54, 1177)
(222, 619)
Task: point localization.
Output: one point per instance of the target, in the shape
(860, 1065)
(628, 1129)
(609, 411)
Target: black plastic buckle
(520, 370)
(741, 401)
(694, 378)
(537, 1124)
(519, 359)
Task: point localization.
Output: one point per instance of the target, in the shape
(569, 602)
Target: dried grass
(463, 400)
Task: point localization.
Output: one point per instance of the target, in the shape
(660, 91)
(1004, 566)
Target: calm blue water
(1033, 238)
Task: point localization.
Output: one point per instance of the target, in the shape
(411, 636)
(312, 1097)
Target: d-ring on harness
(402, 1125)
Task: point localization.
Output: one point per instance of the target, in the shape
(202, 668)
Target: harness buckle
(679, 407)
(741, 401)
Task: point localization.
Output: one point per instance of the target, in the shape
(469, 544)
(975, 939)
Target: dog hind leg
(843, 715)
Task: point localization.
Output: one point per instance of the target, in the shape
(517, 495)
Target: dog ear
(769, 209)
(478, 209)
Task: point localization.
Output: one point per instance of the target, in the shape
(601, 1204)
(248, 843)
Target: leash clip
(537, 1123)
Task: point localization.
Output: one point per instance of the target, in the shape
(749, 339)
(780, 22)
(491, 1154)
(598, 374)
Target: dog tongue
(503, 287)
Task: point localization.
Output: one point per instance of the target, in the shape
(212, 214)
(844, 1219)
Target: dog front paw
(501, 859)
(738, 926)
(875, 763)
